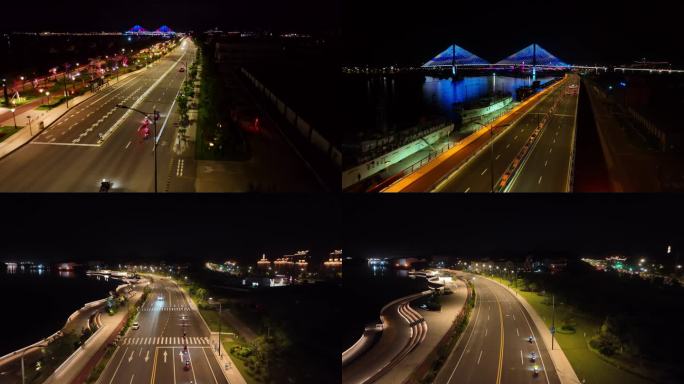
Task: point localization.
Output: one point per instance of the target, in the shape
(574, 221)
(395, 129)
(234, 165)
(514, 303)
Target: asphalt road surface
(546, 168)
(154, 353)
(475, 175)
(494, 347)
(97, 140)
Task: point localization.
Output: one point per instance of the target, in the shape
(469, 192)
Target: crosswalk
(153, 308)
(164, 341)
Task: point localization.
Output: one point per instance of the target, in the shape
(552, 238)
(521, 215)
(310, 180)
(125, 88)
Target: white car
(135, 326)
(160, 298)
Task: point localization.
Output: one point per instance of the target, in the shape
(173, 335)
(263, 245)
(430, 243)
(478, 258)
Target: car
(135, 326)
(160, 298)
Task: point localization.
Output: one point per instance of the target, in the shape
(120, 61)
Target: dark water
(388, 103)
(37, 304)
(366, 291)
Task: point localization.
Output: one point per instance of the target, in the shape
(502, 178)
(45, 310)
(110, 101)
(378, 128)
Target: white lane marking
(123, 355)
(209, 364)
(516, 332)
(508, 145)
(486, 331)
(131, 357)
(483, 172)
(539, 182)
(179, 168)
(545, 163)
(497, 156)
(522, 361)
(466, 191)
(478, 359)
(516, 137)
(132, 376)
(550, 149)
(140, 352)
(513, 317)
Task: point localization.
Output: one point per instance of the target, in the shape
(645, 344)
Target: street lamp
(219, 331)
(155, 115)
(14, 117)
(41, 92)
(30, 130)
(48, 97)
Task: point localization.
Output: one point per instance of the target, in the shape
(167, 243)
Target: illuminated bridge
(140, 31)
(532, 57)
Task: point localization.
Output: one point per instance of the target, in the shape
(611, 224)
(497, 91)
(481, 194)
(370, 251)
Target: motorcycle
(530, 339)
(535, 372)
(533, 357)
(105, 185)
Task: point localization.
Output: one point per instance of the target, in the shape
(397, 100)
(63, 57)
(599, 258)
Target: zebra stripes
(164, 341)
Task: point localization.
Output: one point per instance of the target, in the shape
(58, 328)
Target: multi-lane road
(96, 140)
(547, 168)
(154, 353)
(494, 347)
(476, 174)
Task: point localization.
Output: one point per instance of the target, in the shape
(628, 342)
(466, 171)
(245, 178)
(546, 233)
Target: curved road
(494, 347)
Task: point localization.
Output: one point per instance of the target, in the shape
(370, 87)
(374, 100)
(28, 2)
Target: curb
(564, 377)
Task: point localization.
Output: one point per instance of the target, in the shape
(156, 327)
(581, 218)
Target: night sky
(185, 227)
(80, 15)
(512, 225)
(578, 31)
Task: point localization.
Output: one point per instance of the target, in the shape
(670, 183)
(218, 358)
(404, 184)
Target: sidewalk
(74, 366)
(438, 325)
(564, 370)
(46, 117)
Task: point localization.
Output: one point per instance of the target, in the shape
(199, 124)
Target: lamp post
(66, 93)
(14, 117)
(30, 130)
(219, 331)
(155, 115)
(48, 97)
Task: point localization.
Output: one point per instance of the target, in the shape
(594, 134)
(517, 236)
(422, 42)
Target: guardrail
(520, 159)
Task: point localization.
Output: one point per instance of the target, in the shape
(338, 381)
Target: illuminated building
(335, 259)
(263, 262)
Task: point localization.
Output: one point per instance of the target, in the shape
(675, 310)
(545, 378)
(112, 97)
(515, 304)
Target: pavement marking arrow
(131, 357)
(147, 356)
(165, 356)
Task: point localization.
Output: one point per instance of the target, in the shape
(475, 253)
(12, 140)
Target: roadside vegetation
(7, 131)
(218, 137)
(439, 356)
(605, 322)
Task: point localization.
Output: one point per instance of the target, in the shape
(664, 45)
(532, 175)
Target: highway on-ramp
(494, 347)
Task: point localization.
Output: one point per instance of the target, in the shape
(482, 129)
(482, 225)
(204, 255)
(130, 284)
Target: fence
(308, 132)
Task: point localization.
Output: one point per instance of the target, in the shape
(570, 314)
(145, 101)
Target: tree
(201, 293)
